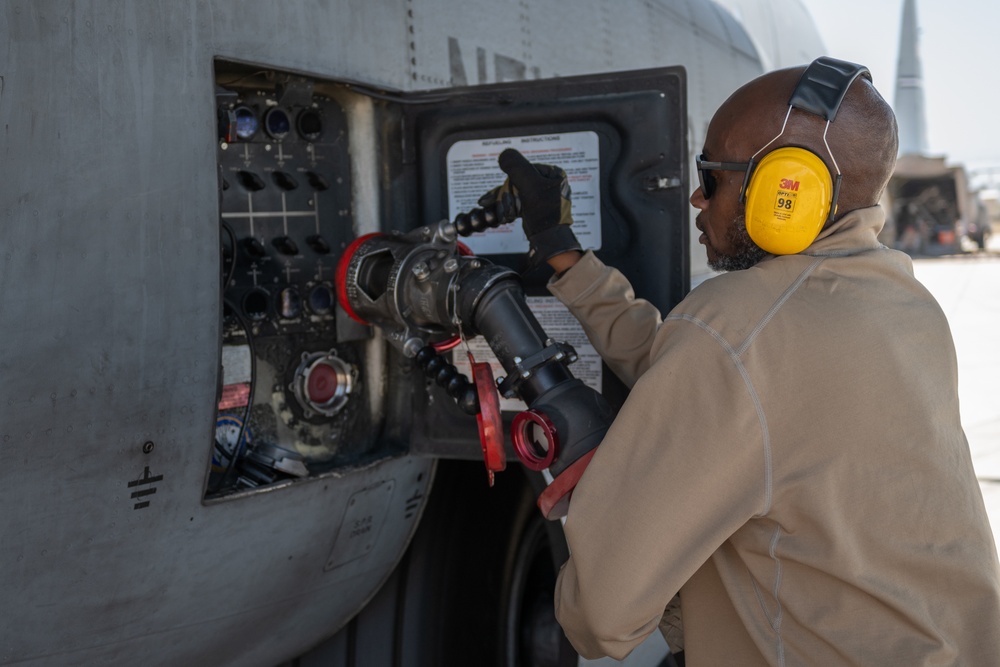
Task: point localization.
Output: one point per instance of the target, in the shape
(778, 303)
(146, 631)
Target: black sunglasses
(705, 169)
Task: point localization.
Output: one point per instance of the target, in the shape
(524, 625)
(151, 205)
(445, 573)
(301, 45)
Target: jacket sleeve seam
(735, 358)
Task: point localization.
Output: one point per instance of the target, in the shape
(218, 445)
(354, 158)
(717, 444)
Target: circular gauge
(321, 299)
(277, 123)
(255, 304)
(310, 125)
(246, 123)
(290, 305)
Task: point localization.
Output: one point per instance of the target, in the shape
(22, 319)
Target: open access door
(621, 137)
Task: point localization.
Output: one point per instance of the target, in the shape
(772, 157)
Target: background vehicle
(177, 182)
(932, 207)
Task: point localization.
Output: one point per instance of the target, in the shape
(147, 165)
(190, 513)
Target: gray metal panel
(109, 305)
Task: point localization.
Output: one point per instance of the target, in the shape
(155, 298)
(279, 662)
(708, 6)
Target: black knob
(284, 180)
(285, 245)
(251, 181)
(254, 247)
(317, 182)
(318, 244)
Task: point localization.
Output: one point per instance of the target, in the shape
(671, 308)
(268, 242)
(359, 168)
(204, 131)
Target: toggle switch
(318, 244)
(250, 180)
(285, 245)
(254, 247)
(317, 182)
(284, 180)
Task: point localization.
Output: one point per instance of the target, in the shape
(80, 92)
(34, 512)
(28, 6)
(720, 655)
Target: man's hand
(543, 195)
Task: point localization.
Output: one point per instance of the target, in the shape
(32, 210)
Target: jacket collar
(856, 232)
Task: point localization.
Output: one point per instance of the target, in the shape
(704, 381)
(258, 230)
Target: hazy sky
(960, 52)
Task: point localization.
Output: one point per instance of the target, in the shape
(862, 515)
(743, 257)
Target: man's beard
(746, 253)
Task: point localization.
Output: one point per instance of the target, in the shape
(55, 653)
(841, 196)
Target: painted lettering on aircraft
(504, 67)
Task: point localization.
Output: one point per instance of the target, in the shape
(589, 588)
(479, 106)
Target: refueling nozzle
(424, 290)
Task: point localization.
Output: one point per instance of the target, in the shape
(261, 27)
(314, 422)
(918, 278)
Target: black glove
(543, 200)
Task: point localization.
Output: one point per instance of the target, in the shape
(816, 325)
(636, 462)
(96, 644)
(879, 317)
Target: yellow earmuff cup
(788, 200)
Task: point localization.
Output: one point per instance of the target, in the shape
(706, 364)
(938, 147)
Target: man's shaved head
(863, 137)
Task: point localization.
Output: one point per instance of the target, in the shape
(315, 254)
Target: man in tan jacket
(790, 458)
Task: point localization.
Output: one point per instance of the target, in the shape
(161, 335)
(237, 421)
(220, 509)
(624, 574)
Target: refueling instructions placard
(473, 171)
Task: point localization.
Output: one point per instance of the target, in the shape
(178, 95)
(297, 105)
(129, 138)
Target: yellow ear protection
(790, 194)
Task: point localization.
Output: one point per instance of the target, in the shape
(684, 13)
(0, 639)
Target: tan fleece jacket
(791, 459)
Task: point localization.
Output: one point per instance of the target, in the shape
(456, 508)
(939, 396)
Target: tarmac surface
(968, 288)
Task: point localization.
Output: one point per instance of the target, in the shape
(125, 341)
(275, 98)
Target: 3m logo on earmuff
(784, 203)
